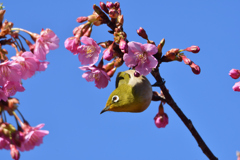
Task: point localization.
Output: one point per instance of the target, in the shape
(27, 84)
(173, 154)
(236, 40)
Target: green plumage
(132, 94)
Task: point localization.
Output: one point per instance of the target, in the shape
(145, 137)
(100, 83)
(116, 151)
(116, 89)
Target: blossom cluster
(235, 74)
(12, 71)
(25, 64)
(143, 58)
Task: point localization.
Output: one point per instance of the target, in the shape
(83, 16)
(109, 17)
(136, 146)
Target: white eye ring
(115, 98)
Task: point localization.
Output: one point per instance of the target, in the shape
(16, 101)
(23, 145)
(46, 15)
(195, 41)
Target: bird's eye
(115, 98)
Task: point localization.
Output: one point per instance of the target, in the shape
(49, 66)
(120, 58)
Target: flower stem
(20, 29)
(15, 115)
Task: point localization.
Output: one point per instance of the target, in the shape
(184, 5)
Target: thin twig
(182, 116)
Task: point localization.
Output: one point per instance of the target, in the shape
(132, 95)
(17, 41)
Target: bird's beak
(104, 109)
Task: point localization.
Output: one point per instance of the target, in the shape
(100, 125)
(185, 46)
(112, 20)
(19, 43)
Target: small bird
(132, 94)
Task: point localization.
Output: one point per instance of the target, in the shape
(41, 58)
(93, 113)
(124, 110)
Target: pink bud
(117, 5)
(14, 152)
(108, 66)
(104, 7)
(141, 32)
(77, 29)
(123, 46)
(186, 60)
(109, 5)
(195, 68)
(193, 49)
(111, 72)
(108, 54)
(113, 13)
(234, 73)
(161, 120)
(236, 87)
(82, 19)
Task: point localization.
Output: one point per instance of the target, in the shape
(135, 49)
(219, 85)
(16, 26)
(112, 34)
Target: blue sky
(70, 106)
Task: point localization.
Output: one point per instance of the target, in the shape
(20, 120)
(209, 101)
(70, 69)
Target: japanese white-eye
(132, 93)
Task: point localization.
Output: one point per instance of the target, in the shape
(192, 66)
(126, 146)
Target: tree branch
(186, 121)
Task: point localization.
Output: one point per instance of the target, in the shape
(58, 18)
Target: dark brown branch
(182, 116)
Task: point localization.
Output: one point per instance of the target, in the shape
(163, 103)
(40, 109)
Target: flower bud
(120, 20)
(108, 66)
(193, 49)
(234, 73)
(92, 18)
(142, 33)
(195, 68)
(105, 44)
(104, 7)
(171, 54)
(119, 11)
(111, 72)
(236, 87)
(161, 119)
(108, 53)
(117, 5)
(186, 60)
(160, 45)
(118, 62)
(123, 46)
(2, 12)
(76, 29)
(82, 19)
(88, 32)
(113, 13)
(109, 5)
(14, 152)
(102, 16)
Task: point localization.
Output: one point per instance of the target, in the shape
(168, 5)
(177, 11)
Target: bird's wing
(122, 78)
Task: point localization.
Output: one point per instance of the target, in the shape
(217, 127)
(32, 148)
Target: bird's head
(120, 99)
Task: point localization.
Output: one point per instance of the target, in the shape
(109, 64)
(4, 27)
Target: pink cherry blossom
(88, 53)
(33, 136)
(47, 40)
(97, 75)
(236, 87)
(9, 71)
(234, 73)
(11, 87)
(161, 120)
(141, 56)
(28, 64)
(72, 44)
